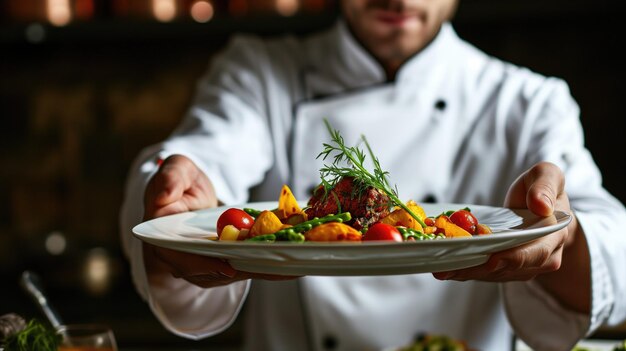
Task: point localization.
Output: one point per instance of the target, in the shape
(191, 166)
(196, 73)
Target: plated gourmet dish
(351, 204)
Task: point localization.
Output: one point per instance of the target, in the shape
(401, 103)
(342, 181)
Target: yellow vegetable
(229, 233)
(287, 204)
(400, 217)
(266, 223)
(450, 229)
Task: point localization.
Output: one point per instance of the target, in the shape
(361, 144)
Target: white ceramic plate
(589, 344)
(195, 232)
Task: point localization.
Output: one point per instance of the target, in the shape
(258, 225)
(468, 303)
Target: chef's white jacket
(456, 126)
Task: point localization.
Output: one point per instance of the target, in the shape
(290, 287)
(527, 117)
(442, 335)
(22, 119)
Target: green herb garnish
(36, 336)
(355, 168)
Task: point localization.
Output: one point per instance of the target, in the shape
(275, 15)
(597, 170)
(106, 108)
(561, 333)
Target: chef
(450, 124)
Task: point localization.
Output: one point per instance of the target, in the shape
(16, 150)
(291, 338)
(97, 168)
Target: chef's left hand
(541, 190)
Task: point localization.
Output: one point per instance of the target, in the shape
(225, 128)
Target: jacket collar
(355, 60)
(364, 70)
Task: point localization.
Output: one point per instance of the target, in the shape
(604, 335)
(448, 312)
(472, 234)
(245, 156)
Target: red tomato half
(236, 217)
(465, 219)
(383, 231)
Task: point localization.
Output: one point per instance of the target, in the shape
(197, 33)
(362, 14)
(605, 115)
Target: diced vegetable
(400, 217)
(229, 233)
(266, 223)
(287, 205)
(450, 229)
(482, 229)
(333, 231)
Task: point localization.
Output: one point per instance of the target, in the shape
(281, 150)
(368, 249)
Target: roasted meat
(366, 206)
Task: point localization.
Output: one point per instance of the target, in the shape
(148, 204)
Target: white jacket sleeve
(555, 135)
(183, 308)
(224, 126)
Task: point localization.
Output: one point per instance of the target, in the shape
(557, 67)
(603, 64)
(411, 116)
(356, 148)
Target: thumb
(170, 182)
(537, 189)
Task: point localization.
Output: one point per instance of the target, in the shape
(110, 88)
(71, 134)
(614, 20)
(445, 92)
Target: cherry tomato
(383, 231)
(235, 217)
(465, 219)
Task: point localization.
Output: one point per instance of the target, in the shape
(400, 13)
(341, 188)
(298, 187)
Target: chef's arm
(587, 291)
(187, 309)
(580, 287)
(566, 283)
(560, 261)
(183, 308)
(225, 124)
(582, 290)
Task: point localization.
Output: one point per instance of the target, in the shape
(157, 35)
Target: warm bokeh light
(202, 11)
(59, 12)
(55, 243)
(97, 271)
(287, 7)
(164, 10)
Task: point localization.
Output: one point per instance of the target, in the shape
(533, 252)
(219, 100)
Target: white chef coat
(455, 126)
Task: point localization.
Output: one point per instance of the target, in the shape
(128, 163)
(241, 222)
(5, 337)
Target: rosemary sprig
(355, 168)
(36, 336)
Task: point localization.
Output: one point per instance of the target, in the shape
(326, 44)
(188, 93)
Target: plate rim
(563, 219)
(353, 259)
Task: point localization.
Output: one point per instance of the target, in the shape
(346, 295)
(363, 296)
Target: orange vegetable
(333, 231)
(266, 223)
(450, 229)
(430, 229)
(482, 229)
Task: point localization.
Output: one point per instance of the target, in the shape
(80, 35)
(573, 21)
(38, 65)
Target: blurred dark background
(85, 84)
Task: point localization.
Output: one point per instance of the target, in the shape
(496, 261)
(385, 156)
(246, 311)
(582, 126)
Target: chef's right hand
(180, 186)
(177, 186)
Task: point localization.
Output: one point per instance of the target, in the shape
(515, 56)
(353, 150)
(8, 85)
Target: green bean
(308, 225)
(294, 233)
(252, 212)
(264, 238)
(408, 233)
(289, 235)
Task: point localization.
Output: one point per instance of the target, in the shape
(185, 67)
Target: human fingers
(174, 176)
(211, 281)
(183, 264)
(167, 186)
(525, 262)
(200, 270)
(537, 189)
(206, 271)
(542, 190)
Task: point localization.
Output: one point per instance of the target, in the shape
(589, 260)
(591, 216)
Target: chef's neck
(391, 69)
(392, 61)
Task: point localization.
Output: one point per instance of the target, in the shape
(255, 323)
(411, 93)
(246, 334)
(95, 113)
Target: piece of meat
(366, 207)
